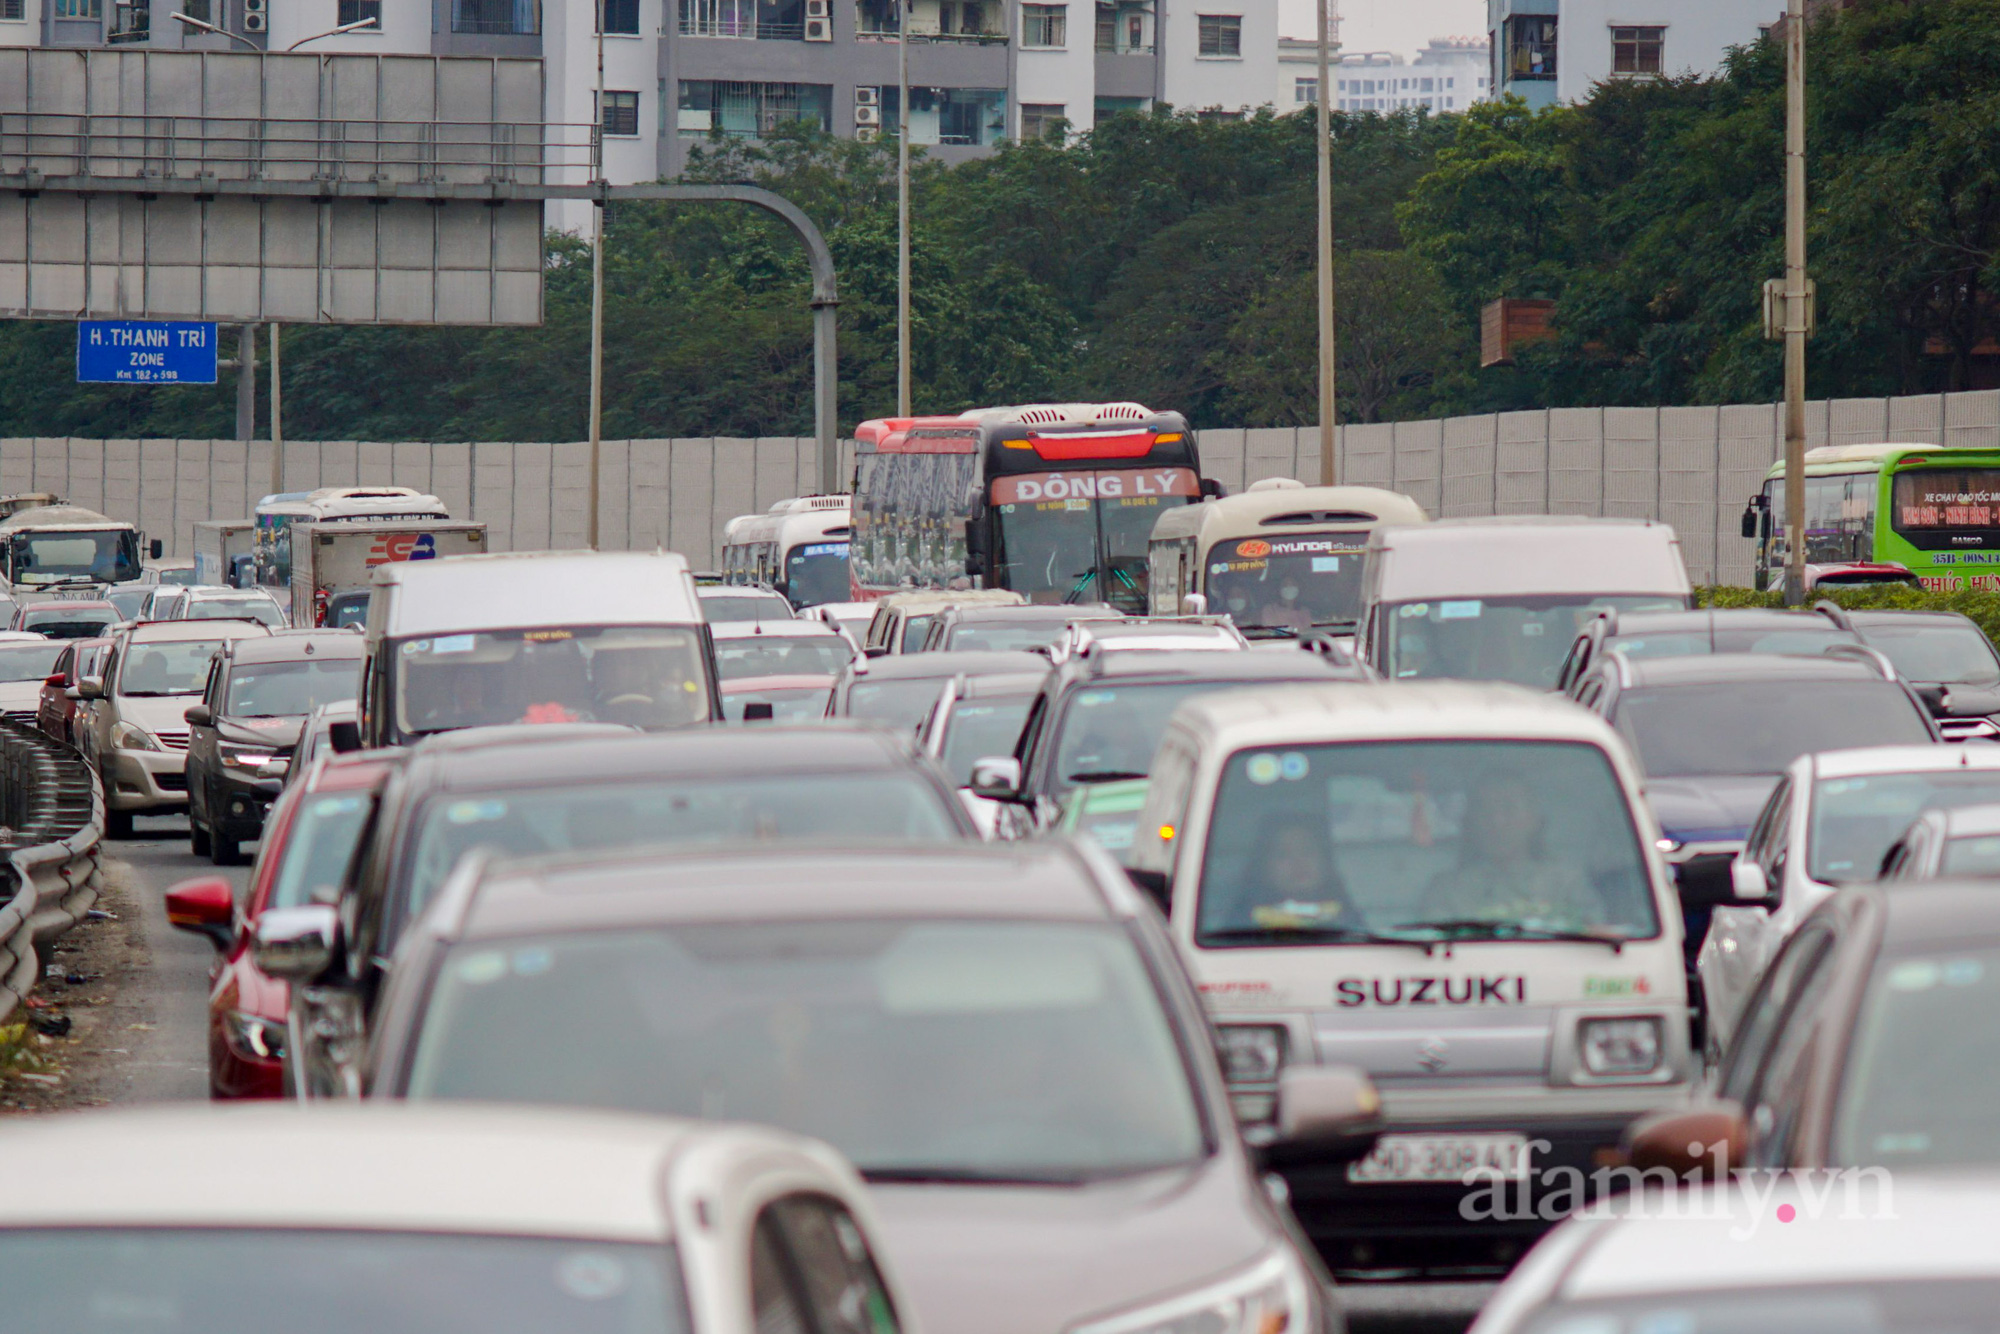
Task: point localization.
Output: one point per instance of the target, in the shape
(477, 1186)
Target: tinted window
(640, 676)
(902, 705)
(31, 662)
(1972, 856)
(788, 705)
(1518, 639)
(214, 1281)
(915, 630)
(1111, 732)
(940, 1050)
(1006, 636)
(744, 607)
(1460, 839)
(290, 689)
(1855, 820)
(1760, 727)
(782, 655)
(831, 1261)
(1810, 636)
(978, 728)
(318, 847)
(817, 573)
(1954, 652)
(261, 610)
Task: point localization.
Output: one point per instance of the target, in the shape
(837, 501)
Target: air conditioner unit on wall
(868, 115)
(819, 30)
(253, 21)
(816, 9)
(867, 97)
(866, 134)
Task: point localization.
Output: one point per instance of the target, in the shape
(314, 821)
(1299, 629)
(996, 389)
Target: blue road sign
(145, 352)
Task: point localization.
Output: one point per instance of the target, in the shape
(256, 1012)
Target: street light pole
(597, 296)
(903, 208)
(1795, 303)
(1328, 465)
(277, 419)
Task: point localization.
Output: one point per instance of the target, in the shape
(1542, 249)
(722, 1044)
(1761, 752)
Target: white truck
(222, 550)
(332, 563)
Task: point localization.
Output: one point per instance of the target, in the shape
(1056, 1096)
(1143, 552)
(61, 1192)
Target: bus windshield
(1081, 536)
(816, 573)
(1840, 517)
(1289, 584)
(47, 558)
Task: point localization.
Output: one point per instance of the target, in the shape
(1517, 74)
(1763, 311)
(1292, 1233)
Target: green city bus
(1932, 509)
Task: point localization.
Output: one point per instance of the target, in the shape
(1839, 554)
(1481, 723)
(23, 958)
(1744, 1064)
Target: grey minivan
(1001, 1039)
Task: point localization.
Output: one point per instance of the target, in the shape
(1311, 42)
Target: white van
(1454, 887)
(535, 637)
(1502, 599)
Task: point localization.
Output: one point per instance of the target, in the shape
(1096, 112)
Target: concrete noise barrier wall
(1691, 467)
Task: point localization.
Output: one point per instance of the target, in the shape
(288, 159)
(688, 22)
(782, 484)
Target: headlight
(1619, 1046)
(1251, 1053)
(255, 1036)
(130, 736)
(1267, 1298)
(253, 758)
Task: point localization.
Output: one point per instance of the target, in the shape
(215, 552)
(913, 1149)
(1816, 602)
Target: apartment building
(1550, 51)
(677, 72)
(1449, 74)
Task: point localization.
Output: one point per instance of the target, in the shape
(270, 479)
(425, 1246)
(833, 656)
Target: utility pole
(597, 291)
(903, 208)
(246, 381)
(277, 418)
(1328, 466)
(1796, 316)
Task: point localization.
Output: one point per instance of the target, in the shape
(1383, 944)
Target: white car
(400, 1219)
(1830, 821)
(26, 659)
(203, 602)
(1767, 1254)
(795, 647)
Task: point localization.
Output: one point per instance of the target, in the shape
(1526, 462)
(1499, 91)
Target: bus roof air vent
(1324, 516)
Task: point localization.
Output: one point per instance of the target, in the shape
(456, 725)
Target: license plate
(1398, 1158)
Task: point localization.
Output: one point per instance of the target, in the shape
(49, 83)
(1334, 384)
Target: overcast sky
(1389, 25)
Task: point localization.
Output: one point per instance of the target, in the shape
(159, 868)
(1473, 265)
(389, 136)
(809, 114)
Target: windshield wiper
(968, 1176)
(1345, 935)
(156, 694)
(1103, 776)
(1472, 928)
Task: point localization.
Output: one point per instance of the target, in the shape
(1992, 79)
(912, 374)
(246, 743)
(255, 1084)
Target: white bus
(330, 504)
(798, 547)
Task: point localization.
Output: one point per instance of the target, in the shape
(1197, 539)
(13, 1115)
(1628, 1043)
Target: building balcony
(936, 38)
(742, 29)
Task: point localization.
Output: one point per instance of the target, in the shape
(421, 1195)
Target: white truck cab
(1454, 887)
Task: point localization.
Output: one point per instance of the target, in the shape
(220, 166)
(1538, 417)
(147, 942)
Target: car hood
(1719, 808)
(17, 695)
(157, 713)
(280, 732)
(1005, 1259)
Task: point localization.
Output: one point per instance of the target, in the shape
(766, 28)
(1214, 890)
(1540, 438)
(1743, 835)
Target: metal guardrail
(53, 808)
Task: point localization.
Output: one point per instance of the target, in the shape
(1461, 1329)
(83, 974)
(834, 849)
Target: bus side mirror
(158, 548)
(1211, 489)
(1194, 604)
(1750, 522)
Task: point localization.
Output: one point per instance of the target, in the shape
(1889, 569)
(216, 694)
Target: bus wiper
(1076, 594)
(1473, 928)
(1104, 776)
(1283, 935)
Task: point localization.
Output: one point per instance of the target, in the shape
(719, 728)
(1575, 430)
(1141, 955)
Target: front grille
(171, 782)
(173, 740)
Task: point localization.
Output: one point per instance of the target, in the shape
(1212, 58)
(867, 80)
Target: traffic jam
(1037, 891)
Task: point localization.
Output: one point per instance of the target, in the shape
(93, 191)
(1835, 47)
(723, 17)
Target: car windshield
(1111, 732)
(780, 654)
(178, 574)
(1108, 814)
(980, 727)
(317, 848)
(70, 558)
(817, 573)
(178, 667)
(1856, 820)
(1760, 727)
(896, 807)
(290, 689)
(1913, 1096)
(128, 601)
(100, 1280)
(952, 1050)
(915, 630)
(1811, 635)
(1949, 652)
(28, 662)
(1809, 1306)
(261, 610)
(1289, 583)
(1005, 636)
(345, 609)
(640, 676)
(744, 607)
(1517, 639)
(1323, 844)
(900, 704)
(789, 704)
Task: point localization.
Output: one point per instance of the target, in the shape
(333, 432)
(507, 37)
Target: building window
(1045, 26)
(79, 9)
(1531, 47)
(763, 20)
(621, 17)
(354, 11)
(1107, 28)
(14, 10)
(621, 113)
(194, 9)
(955, 117)
(1637, 50)
(1219, 35)
(1305, 90)
(520, 18)
(1042, 120)
(1118, 106)
(748, 110)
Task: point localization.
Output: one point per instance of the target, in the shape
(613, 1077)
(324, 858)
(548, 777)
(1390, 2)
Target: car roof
(1039, 613)
(25, 637)
(1001, 684)
(795, 628)
(939, 666)
(707, 591)
(1719, 618)
(70, 604)
(1936, 758)
(526, 589)
(378, 1165)
(1721, 667)
(1525, 555)
(1277, 511)
(1924, 914)
(204, 592)
(300, 646)
(1890, 616)
(697, 752)
(1355, 710)
(175, 632)
(1205, 665)
(930, 599)
(797, 681)
(763, 882)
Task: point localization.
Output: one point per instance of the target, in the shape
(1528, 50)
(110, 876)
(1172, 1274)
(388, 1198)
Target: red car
(55, 711)
(308, 838)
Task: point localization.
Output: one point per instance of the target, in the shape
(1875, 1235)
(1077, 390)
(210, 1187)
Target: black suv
(1677, 634)
(241, 735)
(1946, 656)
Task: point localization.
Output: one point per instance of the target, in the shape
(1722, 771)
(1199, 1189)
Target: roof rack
(1862, 653)
(1834, 612)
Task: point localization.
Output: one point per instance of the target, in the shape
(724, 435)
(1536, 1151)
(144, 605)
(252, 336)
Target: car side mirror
(1324, 1114)
(206, 906)
(90, 687)
(56, 679)
(1936, 700)
(72, 693)
(1153, 884)
(758, 711)
(996, 778)
(1194, 604)
(296, 944)
(344, 736)
(1748, 882)
(876, 651)
(199, 715)
(1705, 1141)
